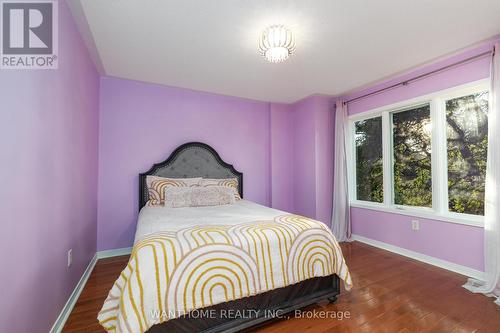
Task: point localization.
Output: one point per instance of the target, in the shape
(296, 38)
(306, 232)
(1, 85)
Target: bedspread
(175, 270)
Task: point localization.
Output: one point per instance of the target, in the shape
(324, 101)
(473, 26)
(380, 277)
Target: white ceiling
(341, 44)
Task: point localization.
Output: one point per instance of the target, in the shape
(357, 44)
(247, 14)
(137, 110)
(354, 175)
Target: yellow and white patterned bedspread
(178, 265)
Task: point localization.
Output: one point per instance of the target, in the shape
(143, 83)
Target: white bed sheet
(160, 218)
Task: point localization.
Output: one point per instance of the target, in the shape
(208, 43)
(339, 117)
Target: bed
(219, 268)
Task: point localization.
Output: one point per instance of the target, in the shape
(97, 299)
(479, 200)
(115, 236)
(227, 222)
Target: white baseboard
(114, 252)
(68, 307)
(467, 271)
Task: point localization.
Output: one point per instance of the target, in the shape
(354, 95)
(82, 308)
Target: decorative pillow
(176, 197)
(228, 182)
(156, 187)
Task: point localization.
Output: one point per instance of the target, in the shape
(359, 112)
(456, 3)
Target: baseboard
(68, 307)
(114, 252)
(467, 271)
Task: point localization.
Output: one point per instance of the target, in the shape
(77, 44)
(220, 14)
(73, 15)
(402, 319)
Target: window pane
(467, 132)
(369, 179)
(412, 157)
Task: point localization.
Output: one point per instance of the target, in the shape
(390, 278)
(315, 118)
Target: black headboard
(193, 159)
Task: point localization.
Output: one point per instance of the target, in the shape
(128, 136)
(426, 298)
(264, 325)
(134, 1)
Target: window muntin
(412, 174)
(440, 197)
(369, 167)
(467, 146)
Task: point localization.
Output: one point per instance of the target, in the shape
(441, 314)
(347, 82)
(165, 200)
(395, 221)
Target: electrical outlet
(415, 225)
(70, 257)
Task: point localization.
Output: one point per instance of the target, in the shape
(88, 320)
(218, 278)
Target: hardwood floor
(391, 294)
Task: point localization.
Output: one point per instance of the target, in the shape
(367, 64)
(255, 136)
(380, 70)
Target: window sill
(426, 213)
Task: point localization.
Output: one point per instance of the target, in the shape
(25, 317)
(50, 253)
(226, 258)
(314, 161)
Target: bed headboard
(193, 159)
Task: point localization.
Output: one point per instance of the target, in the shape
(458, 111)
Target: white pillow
(228, 182)
(156, 187)
(176, 197)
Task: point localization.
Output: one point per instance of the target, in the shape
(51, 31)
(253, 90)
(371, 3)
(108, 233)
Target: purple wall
(453, 242)
(324, 116)
(304, 158)
(281, 153)
(285, 151)
(141, 124)
(456, 243)
(313, 120)
(48, 153)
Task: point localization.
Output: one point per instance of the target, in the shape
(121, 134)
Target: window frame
(439, 160)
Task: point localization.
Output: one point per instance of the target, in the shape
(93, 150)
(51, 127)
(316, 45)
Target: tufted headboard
(194, 159)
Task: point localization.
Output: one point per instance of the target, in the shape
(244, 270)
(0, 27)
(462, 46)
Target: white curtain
(341, 221)
(491, 284)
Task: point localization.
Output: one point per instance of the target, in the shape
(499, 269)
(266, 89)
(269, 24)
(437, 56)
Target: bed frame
(193, 159)
(196, 159)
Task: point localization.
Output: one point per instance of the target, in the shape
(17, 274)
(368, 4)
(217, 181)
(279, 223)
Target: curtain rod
(421, 76)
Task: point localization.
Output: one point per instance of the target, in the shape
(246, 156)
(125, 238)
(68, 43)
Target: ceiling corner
(78, 14)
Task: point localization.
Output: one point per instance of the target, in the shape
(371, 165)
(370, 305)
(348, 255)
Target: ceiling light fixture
(276, 43)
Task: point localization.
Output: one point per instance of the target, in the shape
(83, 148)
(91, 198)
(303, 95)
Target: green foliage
(467, 152)
(467, 144)
(412, 157)
(369, 169)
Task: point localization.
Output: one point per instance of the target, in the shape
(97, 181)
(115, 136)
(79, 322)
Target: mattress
(186, 259)
(159, 218)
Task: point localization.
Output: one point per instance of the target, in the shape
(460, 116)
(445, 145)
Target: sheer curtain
(491, 284)
(341, 221)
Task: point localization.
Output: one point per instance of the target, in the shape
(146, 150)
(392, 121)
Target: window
(369, 180)
(423, 157)
(412, 157)
(467, 144)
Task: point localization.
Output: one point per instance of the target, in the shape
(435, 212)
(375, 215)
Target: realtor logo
(29, 35)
